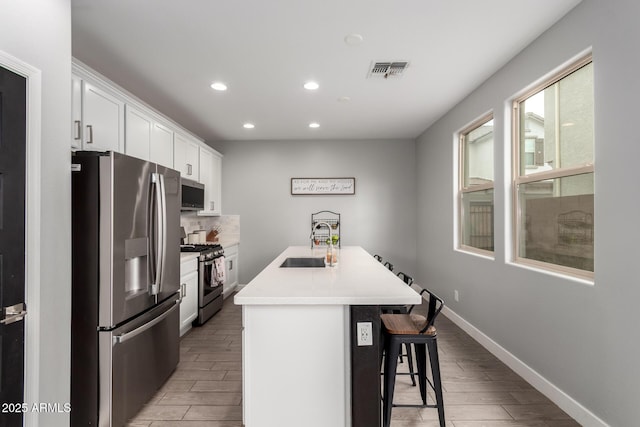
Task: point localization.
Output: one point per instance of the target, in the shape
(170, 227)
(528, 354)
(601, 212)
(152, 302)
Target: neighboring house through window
(554, 173)
(476, 186)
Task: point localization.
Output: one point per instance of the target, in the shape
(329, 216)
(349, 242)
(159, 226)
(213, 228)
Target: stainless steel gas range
(211, 276)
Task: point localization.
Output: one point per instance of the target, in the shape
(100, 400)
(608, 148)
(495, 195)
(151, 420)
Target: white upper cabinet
(138, 127)
(161, 145)
(147, 139)
(102, 120)
(105, 117)
(210, 176)
(76, 113)
(185, 156)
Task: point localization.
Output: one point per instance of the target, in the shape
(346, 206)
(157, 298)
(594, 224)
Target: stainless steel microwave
(192, 195)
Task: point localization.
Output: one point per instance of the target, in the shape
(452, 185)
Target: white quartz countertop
(227, 241)
(357, 279)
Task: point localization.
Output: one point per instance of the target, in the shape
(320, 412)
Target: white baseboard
(572, 407)
(229, 292)
(226, 293)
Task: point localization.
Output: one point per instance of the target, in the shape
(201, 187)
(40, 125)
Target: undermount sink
(303, 262)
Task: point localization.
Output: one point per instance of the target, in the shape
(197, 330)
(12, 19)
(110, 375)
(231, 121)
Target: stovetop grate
(200, 247)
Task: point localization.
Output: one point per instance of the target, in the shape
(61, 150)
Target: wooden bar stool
(403, 309)
(408, 328)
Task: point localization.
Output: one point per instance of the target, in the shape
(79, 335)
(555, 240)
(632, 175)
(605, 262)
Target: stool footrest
(407, 405)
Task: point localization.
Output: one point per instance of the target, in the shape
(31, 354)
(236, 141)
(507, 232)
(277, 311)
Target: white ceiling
(168, 52)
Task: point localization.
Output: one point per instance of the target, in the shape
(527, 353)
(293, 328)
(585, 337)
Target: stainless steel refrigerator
(125, 274)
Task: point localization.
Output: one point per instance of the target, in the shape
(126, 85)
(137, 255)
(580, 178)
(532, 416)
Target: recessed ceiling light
(314, 125)
(311, 85)
(248, 125)
(218, 86)
(353, 39)
(344, 99)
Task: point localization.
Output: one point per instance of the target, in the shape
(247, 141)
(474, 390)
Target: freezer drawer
(135, 361)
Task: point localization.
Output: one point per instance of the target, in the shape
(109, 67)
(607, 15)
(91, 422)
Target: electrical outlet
(456, 295)
(365, 334)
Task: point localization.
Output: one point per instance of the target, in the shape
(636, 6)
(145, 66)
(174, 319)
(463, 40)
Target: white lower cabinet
(231, 262)
(189, 293)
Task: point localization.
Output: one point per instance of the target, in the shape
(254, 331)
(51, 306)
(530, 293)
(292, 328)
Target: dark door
(12, 245)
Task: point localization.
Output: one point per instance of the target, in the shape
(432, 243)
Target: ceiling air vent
(387, 69)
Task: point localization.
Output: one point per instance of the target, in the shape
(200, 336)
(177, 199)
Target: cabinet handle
(78, 129)
(230, 264)
(90, 138)
(213, 206)
(189, 169)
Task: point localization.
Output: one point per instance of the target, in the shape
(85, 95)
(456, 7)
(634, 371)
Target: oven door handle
(209, 262)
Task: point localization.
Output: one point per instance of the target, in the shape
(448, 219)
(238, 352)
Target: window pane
(477, 217)
(556, 124)
(478, 155)
(557, 221)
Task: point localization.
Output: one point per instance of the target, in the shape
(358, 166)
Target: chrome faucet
(313, 232)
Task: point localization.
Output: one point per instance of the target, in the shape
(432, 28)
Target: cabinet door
(231, 264)
(186, 152)
(161, 150)
(189, 304)
(76, 113)
(103, 120)
(210, 175)
(216, 184)
(137, 141)
(232, 273)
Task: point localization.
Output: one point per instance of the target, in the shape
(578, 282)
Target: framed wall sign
(319, 186)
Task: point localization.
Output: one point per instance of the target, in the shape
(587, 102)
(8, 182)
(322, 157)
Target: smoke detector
(387, 69)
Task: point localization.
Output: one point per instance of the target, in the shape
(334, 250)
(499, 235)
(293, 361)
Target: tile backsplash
(227, 225)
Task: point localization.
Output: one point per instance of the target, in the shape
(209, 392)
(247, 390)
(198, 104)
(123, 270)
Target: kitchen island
(302, 362)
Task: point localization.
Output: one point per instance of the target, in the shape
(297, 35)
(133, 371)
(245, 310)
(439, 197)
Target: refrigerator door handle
(156, 181)
(119, 339)
(163, 241)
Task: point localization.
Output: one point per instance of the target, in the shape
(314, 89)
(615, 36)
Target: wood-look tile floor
(479, 390)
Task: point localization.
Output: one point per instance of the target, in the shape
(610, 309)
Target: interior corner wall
(581, 338)
(38, 32)
(380, 217)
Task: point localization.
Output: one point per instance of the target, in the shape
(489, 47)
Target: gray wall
(582, 338)
(380, 217)
(38, 32)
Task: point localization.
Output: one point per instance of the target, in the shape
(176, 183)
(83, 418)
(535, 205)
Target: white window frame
(565, 172)
(462, 189)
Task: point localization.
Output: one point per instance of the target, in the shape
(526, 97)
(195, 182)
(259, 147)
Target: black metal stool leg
(421, 360)
(437, 384)
(392, 351)
(407, 346)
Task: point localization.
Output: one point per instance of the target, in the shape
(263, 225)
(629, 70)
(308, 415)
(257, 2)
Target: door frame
(32, 229)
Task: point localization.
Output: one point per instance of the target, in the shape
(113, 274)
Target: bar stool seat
(410, 328)
(403, 309)
(406, 324)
